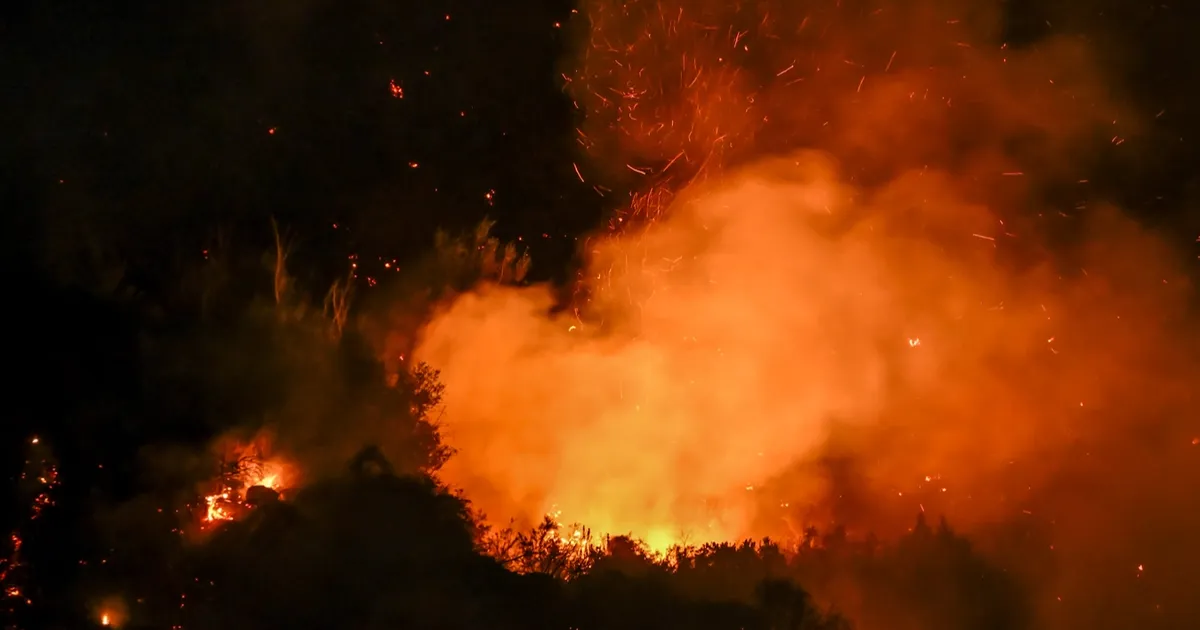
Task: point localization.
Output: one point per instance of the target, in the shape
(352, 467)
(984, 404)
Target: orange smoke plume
(855, 252)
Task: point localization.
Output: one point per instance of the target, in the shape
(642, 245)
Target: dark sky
(148, 125)
(151, 119)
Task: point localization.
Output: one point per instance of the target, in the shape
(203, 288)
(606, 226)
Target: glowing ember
(216, 507)
(245, 468)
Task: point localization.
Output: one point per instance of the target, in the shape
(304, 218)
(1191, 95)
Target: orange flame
(252, 469)
(111, 612)
(841, 280)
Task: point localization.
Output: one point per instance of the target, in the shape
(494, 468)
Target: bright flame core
(751, 333)
(846, 334)
(249, 468)
(111, 612)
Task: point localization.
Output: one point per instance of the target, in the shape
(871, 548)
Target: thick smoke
(877, 286)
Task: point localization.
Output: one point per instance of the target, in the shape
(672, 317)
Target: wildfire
(216, 507)
(245, 468)
(38, 481)
(813, 187)
(111, 612)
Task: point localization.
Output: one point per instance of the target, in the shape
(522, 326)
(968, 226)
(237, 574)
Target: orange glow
(249, 464)
(750, 338)
(111, 613)
(837, 255)
(216, 510)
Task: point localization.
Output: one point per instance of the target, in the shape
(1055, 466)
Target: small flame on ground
(253, 470)
(111, 612)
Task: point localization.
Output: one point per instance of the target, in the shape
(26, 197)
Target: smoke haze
(867, 279)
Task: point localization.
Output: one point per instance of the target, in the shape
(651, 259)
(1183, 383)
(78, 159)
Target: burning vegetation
(843, 357)
(36, 485)
(840, 296)
(249, 478)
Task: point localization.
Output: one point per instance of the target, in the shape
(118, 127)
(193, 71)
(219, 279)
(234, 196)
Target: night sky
(150, 124)
(140, 135)
(147, 126)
